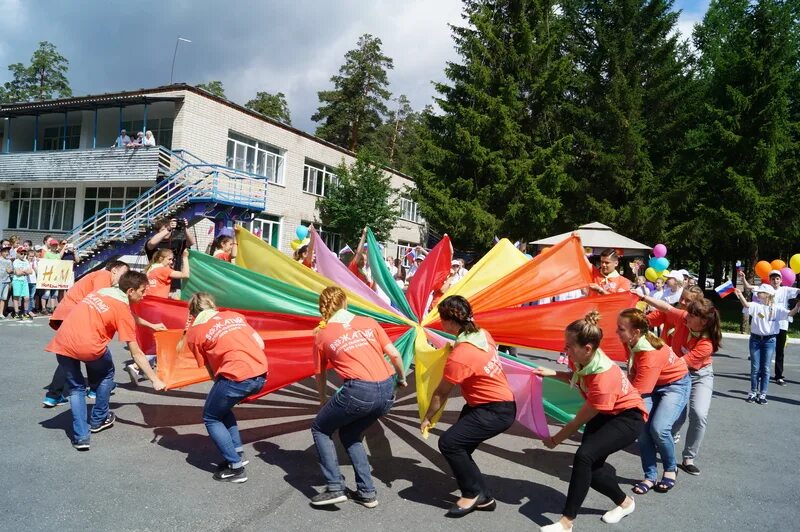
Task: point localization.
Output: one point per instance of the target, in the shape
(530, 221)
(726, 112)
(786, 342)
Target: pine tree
(44, 79)
(271, 105)
(496, 157)
(353, 111)
(626, 109)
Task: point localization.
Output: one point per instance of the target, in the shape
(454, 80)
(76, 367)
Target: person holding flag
(782, 296)
(764, 329)
(360, 263)
(606, 279)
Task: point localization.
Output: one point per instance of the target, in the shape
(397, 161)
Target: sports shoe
(231, 475)
(81, 445)
(616, 515)
(222, 465)
(356, 497)
(690, 468)
(107, 424)
(91, 394)
(19, 317)
(328, 497)
(762, 399)
(751, 397)
(133, 373)
(780, 382)
(27, 317)
(676, 438)
(50, 402)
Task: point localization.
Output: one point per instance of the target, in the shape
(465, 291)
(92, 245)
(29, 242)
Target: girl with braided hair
(614, 415)
(354, 346)
(473, 364)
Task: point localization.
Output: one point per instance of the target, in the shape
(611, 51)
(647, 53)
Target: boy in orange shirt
(84, 337)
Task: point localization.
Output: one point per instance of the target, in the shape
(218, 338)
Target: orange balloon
(777, 264)
(763, 268)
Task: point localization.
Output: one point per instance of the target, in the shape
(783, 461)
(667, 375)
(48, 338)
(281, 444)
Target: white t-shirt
(782, 296)
(568, 296)
(766, 319)
(672, 297)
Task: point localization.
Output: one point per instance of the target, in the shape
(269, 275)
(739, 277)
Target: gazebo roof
(597, 236)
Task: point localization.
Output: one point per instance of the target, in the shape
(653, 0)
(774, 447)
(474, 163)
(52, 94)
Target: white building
(58, 170)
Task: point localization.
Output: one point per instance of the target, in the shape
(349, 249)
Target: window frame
(274, 158)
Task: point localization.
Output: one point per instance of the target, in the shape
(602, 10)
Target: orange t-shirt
(87, 284)
(611, 392)
(221, 255)
(697, 351)
(91, 325)
(478, 372)
(610, 284)
(656, 368)
(226, 343)
(355, 350)
(666, 320)
(159, 281)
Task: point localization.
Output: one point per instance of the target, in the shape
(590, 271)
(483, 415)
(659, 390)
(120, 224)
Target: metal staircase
(189, 187)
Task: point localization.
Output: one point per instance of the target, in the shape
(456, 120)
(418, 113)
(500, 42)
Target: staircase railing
(184, 182)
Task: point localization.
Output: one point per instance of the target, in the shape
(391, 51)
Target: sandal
(665, 484)
(640, 488)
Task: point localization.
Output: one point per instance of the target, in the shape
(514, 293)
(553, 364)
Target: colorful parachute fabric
(276, 293)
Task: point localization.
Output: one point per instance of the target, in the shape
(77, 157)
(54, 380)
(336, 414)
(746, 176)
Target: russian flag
(725, 289)
(411, 255)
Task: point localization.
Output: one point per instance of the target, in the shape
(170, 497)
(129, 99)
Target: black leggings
(474, 426)
(779, 347)
(604, 435)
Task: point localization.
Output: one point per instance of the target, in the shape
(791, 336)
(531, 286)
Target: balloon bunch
(302, 237)
(658, 264)
(788, 273)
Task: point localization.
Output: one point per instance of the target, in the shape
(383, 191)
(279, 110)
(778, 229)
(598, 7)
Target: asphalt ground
(152, 470)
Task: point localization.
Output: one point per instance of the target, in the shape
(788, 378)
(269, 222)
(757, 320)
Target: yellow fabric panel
(428, 371)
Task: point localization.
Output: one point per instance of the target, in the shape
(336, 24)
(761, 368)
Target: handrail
(190, 182)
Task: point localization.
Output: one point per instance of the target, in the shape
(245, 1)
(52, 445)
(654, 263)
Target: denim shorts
(4, 288)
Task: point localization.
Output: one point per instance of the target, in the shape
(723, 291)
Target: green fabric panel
(384, 279)
(405, 344)
(561, 402)
(237, 288)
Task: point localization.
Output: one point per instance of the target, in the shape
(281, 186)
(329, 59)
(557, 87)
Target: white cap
(675, 274)
(775, 272)
(767, 289)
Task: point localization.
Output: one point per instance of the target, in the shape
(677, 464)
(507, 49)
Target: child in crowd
(51, 297)
(658, 293)
(19, 284)
(160, 273)
(6, 269)
(223, 248)
(33, 259)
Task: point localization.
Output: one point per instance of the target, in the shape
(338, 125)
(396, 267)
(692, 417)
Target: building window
(44, 209)
(409, 210)
(161, 128)
(268, 228)
(99, 198)
(403, 250)
(255, 157)
(318, 178)
(54, 138)
(328, 235)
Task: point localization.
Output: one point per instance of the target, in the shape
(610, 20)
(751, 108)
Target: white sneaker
(616, 515)
(555, 527)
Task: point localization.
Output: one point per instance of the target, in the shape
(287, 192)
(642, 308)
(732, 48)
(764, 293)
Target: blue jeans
(351, 410)
(762, 349)
(665, 404)
(100, 373)
(218, 414)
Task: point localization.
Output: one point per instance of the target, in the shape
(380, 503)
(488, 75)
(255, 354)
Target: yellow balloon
(794, 263)
(651, 274)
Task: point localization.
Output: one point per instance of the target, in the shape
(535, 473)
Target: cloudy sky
(292, 46)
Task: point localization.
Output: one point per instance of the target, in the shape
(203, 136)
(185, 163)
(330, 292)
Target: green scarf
(642, 345)
(342, 316)
(114, 292)
(204, 316)
(478, 339)
(598, 364)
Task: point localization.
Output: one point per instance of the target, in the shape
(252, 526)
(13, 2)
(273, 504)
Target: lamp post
(177, 42)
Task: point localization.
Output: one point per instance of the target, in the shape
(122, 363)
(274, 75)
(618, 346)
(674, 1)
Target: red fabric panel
(542, 326)
(430, 276)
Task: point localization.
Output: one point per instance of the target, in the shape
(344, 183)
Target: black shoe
(458, 511)
(107, 424)
(486, 504)
(762, 399)
(690, 468)
(368, 502)
(328, 497)
(752, 397)
(231, 475)
(82, 445)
